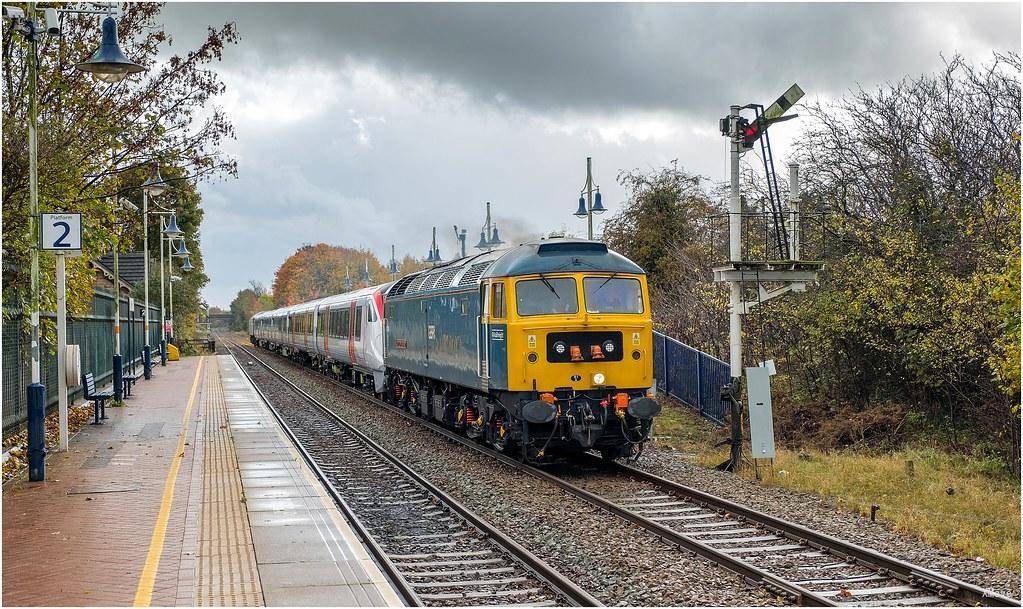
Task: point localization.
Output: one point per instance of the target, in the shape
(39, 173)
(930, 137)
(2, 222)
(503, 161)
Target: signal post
(787, 269)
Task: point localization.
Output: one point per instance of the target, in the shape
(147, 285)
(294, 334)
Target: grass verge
(961, 504)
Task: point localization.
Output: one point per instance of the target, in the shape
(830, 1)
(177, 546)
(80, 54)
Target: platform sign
(761, 417)
(61, 233)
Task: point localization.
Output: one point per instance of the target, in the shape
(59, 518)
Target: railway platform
(190, 494)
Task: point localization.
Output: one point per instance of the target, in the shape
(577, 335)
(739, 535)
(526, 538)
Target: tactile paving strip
(227, 574)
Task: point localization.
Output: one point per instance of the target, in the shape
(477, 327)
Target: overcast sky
(366, 124)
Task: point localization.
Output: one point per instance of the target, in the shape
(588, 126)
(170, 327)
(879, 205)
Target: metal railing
(691, 376)
(93, 333)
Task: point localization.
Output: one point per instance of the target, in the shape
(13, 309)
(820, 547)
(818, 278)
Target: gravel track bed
(395, 509)
(617, 562)
(817, 513)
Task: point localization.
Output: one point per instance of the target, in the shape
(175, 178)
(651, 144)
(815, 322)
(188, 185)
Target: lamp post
(392, 267)
(434, 257)
(168, 232)
(181, 252)
(489, 238)
(118, 368)
(588, 203)
(155, 186)
(107, 62)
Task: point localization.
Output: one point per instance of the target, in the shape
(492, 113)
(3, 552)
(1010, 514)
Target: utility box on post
(761, 417)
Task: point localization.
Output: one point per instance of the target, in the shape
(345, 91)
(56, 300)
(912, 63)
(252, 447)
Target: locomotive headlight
(532, 358)
(560, 348)
(598, 378)
(608, 346)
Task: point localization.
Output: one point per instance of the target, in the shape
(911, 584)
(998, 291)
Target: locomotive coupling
(644, 408)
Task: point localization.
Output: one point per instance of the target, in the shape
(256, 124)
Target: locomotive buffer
(767, 278)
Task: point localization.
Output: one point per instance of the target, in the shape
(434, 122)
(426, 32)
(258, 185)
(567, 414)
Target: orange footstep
(172, 353)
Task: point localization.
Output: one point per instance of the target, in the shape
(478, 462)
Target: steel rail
(752, 573)
(558, 582)
(925, 578)
(949, 586)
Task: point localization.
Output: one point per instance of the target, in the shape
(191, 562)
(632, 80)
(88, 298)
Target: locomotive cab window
(497, 300)
(546, 296)
(613, 295)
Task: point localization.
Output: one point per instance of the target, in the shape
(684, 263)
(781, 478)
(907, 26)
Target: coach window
(358, 322)
(497, 300)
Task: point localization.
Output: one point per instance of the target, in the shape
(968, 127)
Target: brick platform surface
(83, 536)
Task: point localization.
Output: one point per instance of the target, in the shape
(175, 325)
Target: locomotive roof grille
(416, 284)
(402, 285)
(430, 283)
(474, 273)
(446, 277)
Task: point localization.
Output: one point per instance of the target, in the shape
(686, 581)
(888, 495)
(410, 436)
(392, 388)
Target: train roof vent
(446, 277)
(473, 274)
(431, 282)
(402, 285)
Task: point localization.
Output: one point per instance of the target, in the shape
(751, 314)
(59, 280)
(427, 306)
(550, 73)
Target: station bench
(128, 379)
(99, 399)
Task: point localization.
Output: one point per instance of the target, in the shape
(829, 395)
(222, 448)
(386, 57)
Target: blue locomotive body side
(435, 335)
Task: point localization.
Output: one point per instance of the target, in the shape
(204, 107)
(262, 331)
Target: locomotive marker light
(793, 273)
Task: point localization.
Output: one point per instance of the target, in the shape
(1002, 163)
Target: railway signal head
(750, 132)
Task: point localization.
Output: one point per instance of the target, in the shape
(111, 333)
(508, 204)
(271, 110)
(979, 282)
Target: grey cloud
(542, 80)
(686, 58)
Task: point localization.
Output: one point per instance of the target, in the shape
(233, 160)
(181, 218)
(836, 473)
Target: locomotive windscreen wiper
(549, 286)
(605, 282)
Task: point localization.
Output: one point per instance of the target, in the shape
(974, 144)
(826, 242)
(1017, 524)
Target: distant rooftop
(130, 266)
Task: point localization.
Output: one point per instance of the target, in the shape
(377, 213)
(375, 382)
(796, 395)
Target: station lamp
(108, 63)
(172, 230)
(182, 251)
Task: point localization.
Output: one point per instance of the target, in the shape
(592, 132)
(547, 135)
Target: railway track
(801, 565)
(435, 550)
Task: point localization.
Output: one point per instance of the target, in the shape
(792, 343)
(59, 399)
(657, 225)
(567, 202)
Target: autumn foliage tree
(247, 303)
(315, 271)
(914, 328)
(98, 142)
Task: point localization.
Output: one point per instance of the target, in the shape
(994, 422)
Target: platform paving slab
(306, 553)
(81, 538)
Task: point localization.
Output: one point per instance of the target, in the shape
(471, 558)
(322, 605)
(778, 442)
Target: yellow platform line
(144, 592)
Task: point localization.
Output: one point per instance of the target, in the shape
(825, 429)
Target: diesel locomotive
(540, 349)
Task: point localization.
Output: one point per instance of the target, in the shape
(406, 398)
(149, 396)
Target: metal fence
(691, 376)
(93, 333)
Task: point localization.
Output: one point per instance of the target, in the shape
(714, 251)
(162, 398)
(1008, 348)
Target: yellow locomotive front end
(580, 332)
(570, 352)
